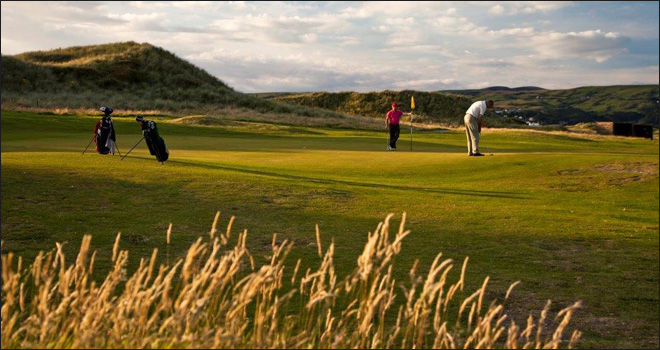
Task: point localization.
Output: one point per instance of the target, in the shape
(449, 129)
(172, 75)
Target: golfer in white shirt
(474, 118)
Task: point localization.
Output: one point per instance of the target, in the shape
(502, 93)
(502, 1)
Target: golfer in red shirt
(392, 122)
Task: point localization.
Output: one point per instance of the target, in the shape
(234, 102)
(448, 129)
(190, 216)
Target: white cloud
(592, 44)
(496, 10)
(288, 46)
(148, 21)
(517, 32)
(309, 38)
(374, 9)
(281, 29)
(524, 7)
(424, 84)
(457, 25)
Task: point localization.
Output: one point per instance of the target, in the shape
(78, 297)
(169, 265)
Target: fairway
(572, 217)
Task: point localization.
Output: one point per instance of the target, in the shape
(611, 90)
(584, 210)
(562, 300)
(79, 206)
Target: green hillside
(636, 103)
(128, 76)
(430, 106)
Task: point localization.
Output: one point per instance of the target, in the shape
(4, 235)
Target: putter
(488, 149)
(388, 139)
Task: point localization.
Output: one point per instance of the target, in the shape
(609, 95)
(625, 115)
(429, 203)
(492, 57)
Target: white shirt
(477, 109)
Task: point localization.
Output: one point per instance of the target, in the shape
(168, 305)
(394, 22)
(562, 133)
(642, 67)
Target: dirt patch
(624, 180)
(135, 238)
(604, 175)
(629, 333)
(642, 168)
(569, 172)
(571, 187)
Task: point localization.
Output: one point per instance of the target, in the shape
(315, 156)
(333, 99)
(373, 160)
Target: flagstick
(411, 126)
(412, 110)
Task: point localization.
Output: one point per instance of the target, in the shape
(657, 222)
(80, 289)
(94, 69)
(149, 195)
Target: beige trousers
(472, 133)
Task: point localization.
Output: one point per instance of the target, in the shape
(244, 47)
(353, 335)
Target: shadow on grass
(477, 193)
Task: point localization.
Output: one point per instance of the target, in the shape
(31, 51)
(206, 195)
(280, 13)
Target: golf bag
(105, 138)
(155, 143)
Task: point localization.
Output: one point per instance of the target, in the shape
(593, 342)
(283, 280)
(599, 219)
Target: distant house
(625, 129)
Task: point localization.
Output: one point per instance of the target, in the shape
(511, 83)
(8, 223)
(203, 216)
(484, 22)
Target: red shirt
(394, 116)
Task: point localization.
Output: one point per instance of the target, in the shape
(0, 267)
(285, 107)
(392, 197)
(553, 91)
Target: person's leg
(466, 120)
(397, 131)
(473, 128)
(475, 137)
(391, 135)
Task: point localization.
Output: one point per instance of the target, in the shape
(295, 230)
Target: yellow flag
(412, 102)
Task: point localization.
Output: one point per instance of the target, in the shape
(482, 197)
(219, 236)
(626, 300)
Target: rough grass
(573, 218)
(217, 297)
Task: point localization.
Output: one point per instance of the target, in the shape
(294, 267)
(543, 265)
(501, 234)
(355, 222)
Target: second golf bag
(105, 133)
(155, 143)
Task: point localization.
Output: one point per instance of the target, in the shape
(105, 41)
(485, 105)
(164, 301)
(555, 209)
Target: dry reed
(211, 298)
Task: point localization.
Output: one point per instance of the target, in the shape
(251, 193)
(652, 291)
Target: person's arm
(409, 114)
(387, 121)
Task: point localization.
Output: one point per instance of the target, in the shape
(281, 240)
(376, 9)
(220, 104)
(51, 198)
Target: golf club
(388, 138)
(488, 149)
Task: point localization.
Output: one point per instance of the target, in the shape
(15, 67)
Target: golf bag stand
(129, 151)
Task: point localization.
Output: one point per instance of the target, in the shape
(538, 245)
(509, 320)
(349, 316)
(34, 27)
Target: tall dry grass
(216, 296)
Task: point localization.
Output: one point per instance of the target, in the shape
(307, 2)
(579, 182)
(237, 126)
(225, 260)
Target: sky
(365, 46)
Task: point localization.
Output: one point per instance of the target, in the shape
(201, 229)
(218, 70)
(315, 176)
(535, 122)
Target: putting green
(572, 217)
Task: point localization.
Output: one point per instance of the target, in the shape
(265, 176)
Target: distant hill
(636, 103)
(504, 88)
(629, 103)
(125, 75)
(137, 76)
(430, 106)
